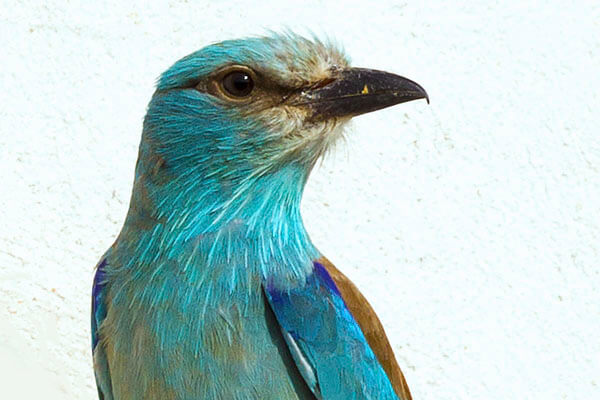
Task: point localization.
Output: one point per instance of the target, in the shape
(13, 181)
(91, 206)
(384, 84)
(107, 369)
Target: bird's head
(242, 118)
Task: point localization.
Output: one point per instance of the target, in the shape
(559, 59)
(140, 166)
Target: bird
(213, 288)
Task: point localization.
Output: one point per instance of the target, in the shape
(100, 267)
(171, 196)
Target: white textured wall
(472, 224)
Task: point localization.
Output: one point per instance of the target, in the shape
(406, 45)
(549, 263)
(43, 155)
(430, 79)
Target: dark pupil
(238, 84)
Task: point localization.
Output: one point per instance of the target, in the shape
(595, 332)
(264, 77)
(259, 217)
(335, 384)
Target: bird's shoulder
(335, 338)
(371, 327)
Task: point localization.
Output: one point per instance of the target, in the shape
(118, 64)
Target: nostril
(322, 83)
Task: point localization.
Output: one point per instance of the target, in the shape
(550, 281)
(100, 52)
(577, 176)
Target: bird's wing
(327, 341)
(371, 327)
(98, 314)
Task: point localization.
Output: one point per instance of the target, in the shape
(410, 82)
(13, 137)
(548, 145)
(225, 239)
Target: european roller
(213, 288)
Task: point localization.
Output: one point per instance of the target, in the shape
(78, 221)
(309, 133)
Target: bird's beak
(356, 91)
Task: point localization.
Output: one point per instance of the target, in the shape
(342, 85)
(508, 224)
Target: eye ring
(237, 84)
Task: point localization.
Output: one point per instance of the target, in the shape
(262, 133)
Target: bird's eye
(238, 84)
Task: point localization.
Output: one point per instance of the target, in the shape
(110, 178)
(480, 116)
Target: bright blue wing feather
(327, 343)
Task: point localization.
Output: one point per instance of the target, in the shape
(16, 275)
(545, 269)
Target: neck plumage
(220, 223)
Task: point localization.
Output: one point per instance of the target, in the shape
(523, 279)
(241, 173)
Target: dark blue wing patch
(98, 306)
(101, 370)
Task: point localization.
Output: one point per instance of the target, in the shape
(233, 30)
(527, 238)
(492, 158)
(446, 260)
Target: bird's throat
(255, 227)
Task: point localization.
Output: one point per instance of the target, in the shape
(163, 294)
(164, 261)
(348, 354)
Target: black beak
(358, 91)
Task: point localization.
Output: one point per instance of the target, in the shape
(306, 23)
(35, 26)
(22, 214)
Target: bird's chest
(210, 336)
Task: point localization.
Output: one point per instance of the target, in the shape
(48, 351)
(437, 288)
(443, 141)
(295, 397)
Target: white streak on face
(299, 138)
